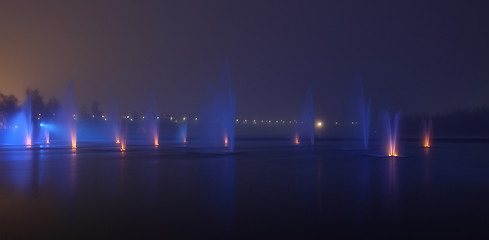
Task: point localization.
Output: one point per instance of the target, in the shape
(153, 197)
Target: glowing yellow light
(225, 141)
(117, 141)
(319, 124)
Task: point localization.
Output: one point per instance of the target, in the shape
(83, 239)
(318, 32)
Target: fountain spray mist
(427, 132)
(364, 106)
(392, 129)
(152, 120)
(67, 115)
(305, 128)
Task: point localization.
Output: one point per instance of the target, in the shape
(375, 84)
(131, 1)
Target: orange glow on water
(225, 141)
(156, 142)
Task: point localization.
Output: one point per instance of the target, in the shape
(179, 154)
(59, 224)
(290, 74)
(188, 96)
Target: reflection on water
(274, 191)
(392, 184)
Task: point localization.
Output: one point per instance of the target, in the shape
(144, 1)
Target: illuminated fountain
(114, 122)
(218, 115)
(66, 117)
(45, 132)
(27, 112)
(364, 108)
(296, 139)
(153, 121)
(427, 133)
(20, 132)
(182, 133)
(122, 133)
(305, 128)
(392, 129)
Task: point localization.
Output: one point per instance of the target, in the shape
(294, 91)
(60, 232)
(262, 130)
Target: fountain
(114, 122)
(152, 120)
(66, 116)
(45, 132)
(182, 133)
(218, 115)
(122, 133)
(364, 108)
(21, 128)
(305, 128)
(427, 132)
(392, 129)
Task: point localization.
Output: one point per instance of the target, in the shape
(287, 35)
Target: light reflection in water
(392, 184)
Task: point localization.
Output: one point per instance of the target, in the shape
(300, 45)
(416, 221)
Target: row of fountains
(305, 131)
(217, 123)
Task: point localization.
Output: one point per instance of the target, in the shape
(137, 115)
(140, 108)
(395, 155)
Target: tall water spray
(392, 130)
(364, 106)
(427, 132)
(153, 120)
(305, 128)
(20, 132)
(66, 116)
(218, 115)
(182, 133)
(27, 112)
(114, 121)
(122, 133)
(45, 132)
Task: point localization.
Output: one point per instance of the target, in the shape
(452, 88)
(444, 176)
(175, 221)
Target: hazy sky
(418, 56)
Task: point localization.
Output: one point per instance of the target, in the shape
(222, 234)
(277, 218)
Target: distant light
(237, 120)
(171, 118)
(158, 118)
(184, 118)
(319, 124)
(93, 116)
(336, 123)
(195, 119)
(41, 124)
(143, 117)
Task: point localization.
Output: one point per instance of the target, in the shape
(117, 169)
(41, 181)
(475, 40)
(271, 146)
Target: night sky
(417, 56)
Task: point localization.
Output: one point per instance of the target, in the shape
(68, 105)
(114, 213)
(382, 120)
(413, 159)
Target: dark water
(265, 190)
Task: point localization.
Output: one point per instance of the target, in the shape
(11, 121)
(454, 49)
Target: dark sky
(418, 56)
